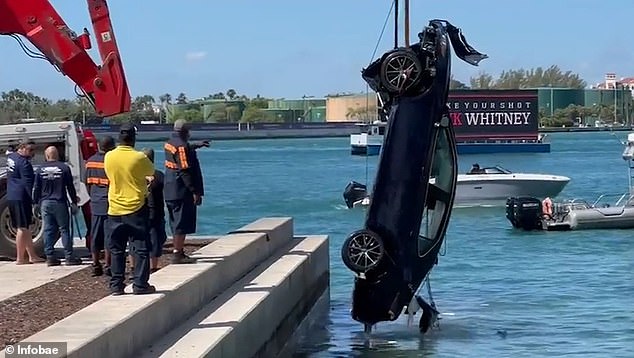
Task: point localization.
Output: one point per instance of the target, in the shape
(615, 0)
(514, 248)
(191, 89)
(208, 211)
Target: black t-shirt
(155, 200)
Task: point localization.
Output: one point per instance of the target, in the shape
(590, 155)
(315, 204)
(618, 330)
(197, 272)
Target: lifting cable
(367, 87)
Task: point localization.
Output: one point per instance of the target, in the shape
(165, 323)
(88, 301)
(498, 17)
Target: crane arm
(104, 85)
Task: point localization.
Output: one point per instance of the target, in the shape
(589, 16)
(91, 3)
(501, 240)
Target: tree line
(552, 76)
(17, 105)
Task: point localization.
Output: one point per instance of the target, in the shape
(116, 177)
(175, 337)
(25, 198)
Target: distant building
(351, 107)
(612, 83)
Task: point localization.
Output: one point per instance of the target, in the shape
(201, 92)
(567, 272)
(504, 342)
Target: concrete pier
(246, 295)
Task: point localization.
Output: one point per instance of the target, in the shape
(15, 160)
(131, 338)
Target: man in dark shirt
(53, 186)
(184, 188)
(97, 184)
(156, 204)
(20, 179)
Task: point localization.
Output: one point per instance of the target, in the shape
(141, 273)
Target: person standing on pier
(53, 186)
(97, 184)
(128, 214)
(183, 188)
(20, 178)
(156, 205)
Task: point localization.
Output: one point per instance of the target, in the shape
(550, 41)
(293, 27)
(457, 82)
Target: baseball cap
(128, 128)
(181, 124)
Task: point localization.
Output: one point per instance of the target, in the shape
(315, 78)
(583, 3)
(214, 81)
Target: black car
(416, 177)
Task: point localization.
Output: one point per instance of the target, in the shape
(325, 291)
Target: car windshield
(437, 204)
(496, 170)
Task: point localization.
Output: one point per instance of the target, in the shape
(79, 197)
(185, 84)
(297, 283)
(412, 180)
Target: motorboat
(531, 213)
(488, 186)
(404, 230)
(491, 186)
(369, 139)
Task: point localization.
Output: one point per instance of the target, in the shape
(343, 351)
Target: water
(502, 293)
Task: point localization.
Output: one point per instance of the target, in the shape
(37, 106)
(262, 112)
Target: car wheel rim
(9, 232)
(365, 251)
(401, 72)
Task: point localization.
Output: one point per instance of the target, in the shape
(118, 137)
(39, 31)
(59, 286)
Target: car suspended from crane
(404, 229)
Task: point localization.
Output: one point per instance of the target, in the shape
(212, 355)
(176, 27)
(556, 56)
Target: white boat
(531, 213)
(489, 186)
(369, 140)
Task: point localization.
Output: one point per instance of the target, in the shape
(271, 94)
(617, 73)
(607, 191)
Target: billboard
(494, 114)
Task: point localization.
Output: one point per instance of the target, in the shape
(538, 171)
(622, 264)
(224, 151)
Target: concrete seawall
(248, 293)
(159, 136)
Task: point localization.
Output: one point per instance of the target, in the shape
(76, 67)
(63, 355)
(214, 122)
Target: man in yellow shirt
(128, 214)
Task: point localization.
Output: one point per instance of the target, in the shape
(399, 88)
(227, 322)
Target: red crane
(105, 85)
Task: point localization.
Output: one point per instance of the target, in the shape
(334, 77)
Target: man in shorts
(183, 188)
(20, 180)
(97, 184)
(156, 204)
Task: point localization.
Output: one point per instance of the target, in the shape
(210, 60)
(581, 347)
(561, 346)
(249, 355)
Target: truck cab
(74, 146)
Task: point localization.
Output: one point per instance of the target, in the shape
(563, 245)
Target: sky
(289, 49)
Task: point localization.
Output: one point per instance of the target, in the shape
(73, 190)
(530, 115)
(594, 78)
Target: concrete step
(259, 313)
(118, 326)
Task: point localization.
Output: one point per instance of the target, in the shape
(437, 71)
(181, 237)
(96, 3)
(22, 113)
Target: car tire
(397, 64)
(362, 251)
(8, 232)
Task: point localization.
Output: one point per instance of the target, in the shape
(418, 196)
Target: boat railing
(619, 199)
(628, 202)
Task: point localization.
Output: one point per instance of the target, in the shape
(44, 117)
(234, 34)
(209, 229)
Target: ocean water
(502, 293)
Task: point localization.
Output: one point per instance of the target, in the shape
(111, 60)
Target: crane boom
(105, 85)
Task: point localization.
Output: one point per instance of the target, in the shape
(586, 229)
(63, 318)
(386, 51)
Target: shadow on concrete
(230, 324)
(208, 259)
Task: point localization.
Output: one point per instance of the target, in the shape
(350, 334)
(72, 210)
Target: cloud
(195, 55)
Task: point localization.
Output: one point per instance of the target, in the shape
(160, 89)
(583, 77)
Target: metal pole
(406, 22)
(552, 105)
(615, 85)
(395, 23)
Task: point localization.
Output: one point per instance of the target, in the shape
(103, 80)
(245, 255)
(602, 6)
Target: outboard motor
(353, 193)
(524, 213)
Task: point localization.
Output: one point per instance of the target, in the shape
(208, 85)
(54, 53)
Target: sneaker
(117, 292)
(97, 270)
(52, 261)
(153, 270)
(180, 258)
(144, 291)
(73, 261)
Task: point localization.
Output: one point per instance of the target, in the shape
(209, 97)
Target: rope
(367, 87)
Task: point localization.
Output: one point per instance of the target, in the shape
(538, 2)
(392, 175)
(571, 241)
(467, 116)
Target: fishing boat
(395, 251)
(531, 213)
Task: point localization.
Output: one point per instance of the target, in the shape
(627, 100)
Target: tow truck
(103, 85)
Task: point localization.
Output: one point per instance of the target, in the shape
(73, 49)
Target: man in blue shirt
(53, 186)
(19, 187)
